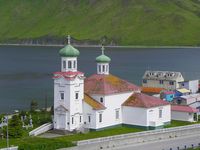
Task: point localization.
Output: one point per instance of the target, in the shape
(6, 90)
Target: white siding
(112, 103)
(153, 118)
(134, 116)
(73, 105)
(88, 111)
(182, 116)
(146, 116)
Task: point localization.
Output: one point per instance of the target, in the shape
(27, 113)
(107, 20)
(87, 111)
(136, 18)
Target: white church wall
(156, 118)
(61, 121)
(89, 112)
(73, 61)
(182, 116)
(113, 109)
(134, 116)
(72, 103)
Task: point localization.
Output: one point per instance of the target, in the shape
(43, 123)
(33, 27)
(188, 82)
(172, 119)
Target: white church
(101, 100)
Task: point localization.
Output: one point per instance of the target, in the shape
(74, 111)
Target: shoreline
(111, 46)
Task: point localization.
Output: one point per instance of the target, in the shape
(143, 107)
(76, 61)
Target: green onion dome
(103, 59)
(69, 51)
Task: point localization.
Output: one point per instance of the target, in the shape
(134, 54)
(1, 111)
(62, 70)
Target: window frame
(62, 95)
(89, 118)
(161, 81)
(76, 95)
(117, 114)
(72, 120)
(64, 64)
(160, 113)
(101, 99)
(69, 64)
(100, 118)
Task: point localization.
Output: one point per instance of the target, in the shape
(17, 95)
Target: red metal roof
(143, 100)
(66, 75)
(107, 84)
(184, 108)
(169, 92)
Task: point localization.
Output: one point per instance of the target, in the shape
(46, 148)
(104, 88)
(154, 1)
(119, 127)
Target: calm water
(25, 72)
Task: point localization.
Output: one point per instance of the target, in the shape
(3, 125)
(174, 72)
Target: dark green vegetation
(124, 22)
(15, 124)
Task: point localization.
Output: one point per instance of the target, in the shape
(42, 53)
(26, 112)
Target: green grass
(176, 123)
(103, 133)
(33, 143)
(125, 22)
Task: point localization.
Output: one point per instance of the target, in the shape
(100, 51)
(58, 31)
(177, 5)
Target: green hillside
(123, 22)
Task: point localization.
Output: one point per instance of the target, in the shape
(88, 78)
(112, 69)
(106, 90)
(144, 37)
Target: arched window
(74, 64)
(99, 68)
(103, 68)
(69, 64)
(64, 64)
(101, 99)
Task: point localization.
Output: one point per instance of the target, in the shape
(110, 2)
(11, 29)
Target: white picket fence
(42, 129)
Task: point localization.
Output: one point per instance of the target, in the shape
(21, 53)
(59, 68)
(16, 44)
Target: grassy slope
(128, 22)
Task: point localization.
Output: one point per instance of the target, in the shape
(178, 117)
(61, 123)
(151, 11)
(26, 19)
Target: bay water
(26, 71)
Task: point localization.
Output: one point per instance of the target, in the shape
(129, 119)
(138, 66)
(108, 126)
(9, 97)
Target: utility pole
(7, 138)
(45, 101)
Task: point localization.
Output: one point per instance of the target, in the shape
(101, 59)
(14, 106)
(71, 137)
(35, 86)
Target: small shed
(184, 113)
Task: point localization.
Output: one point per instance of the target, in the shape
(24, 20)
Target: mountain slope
(125, 22)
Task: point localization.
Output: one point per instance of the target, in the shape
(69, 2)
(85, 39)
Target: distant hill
(121, 22)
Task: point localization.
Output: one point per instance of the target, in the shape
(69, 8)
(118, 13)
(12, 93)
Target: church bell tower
(68, 91)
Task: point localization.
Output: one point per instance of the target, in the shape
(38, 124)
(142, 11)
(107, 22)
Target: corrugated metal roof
(162, 75)
(184, 108)
(143, 100)
(107, 84)
(183, 90)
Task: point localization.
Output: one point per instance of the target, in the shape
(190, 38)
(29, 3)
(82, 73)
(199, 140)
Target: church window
(76, 95)
(80, 119)
(171, 82)
(160, 113)
(64, 64)
(100, 117)
(117, 114)
(62, 96)
(74, 64)
(101, 99)
(69, 64)
(103, 69)
(89, 118)
(72, 120)
(99, 68)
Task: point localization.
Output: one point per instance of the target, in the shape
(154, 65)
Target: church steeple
(103, 63)
(69, 56)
